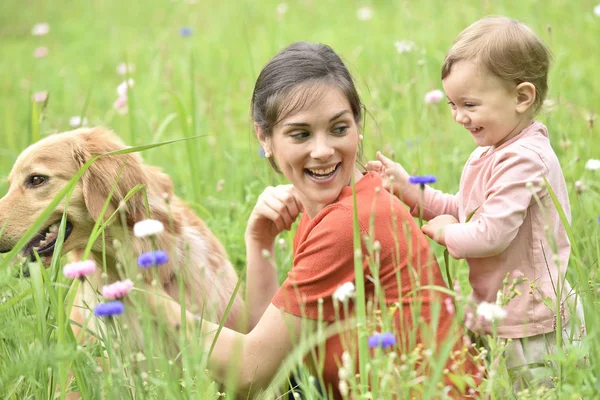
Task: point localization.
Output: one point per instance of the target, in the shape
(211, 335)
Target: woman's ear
(525, 96)
(264, 141)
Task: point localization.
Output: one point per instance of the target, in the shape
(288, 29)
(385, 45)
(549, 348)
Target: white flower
(434, 96)
(281, 9)
(124, 68)
(490, 311)
(124, 87)
(579, 187)
(76, 121)
(405, 46)
(40, 29)
(343, 388)
(148, 227)
(344, 292)
(364, 13)
(592, 164)
(597, 10)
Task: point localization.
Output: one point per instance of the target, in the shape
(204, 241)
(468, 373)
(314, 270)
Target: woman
(307, 114)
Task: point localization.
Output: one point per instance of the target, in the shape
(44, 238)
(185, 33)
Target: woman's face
(316, 146)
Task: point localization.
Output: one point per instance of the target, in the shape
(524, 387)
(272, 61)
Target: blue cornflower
(152, 258)
(261, 152)
(186, 31)
(109, 309)
(383, 340)
(422, 180)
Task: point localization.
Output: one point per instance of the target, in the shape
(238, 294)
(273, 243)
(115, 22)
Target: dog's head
(43, 170)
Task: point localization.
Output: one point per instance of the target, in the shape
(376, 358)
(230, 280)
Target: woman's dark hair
(299, 69)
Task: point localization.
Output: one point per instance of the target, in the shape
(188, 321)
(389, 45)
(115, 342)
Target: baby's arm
(508, 195)
(396, 181)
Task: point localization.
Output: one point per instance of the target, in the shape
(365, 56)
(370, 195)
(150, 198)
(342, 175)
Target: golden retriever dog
(195, 254)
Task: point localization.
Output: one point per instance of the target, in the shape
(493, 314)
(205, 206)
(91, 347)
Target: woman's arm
(276, 209)
(255, 356)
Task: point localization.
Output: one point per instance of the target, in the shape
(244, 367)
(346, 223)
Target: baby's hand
(394, 177)
(436, 227)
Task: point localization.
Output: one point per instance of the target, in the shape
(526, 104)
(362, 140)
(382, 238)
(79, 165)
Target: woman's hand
(276, 210)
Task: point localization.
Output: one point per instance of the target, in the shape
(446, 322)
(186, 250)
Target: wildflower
(109, 309)
(490, 311)
(266, 254)
(343, 388)
(40, 52)
(422, 180)
(121, 105)
(364, 13)
(597, 10)
(549, 105)
(344, 292)
(434, 96)
(592, 164)
(148, 227)
(124, 87)
(40, 97)
(346, 360)
(405, 46)
(125, 68)
(186, 31)
(564, 143)
(152, 258)
(281, 9)
(261, 152)
(282, 243)
(76, 121)
(40, 29)
(79, 269)
(449, 305)
(117, 290)
(383, 340)
(579, 187)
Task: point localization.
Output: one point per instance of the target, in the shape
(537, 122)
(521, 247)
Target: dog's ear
(121, 172)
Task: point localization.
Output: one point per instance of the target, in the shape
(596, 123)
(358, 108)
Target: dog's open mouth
(43, 243)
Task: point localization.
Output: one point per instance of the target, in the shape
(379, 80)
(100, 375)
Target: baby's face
(483, 103)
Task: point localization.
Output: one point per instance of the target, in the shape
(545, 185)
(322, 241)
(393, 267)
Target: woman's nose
(322, 148)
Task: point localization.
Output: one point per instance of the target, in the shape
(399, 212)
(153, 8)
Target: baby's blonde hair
(507, 48)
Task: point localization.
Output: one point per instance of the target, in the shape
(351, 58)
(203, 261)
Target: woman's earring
(267, 154)
(360, 137)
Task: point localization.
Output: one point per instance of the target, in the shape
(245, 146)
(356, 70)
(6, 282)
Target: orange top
(324, 260)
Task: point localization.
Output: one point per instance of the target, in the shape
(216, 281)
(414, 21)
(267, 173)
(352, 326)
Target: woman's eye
(37, 180)
(452, 105)
(469, 105)
(340, 129)
(299, 135)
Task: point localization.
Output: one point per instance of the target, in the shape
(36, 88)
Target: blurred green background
(196, 63)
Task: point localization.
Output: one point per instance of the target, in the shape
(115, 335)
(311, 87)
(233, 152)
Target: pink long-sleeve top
(515, 227)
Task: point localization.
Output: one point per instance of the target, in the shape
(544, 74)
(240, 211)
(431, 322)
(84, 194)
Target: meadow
(193, 64)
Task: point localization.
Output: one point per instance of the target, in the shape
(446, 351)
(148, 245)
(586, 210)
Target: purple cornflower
(383, 340)
(422, 179)
(152, 258)
(109, 309)
(186, 31)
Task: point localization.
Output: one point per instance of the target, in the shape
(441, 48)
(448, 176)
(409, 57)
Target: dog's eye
(36, 180)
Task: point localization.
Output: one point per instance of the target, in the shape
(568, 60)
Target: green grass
(201, 85)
